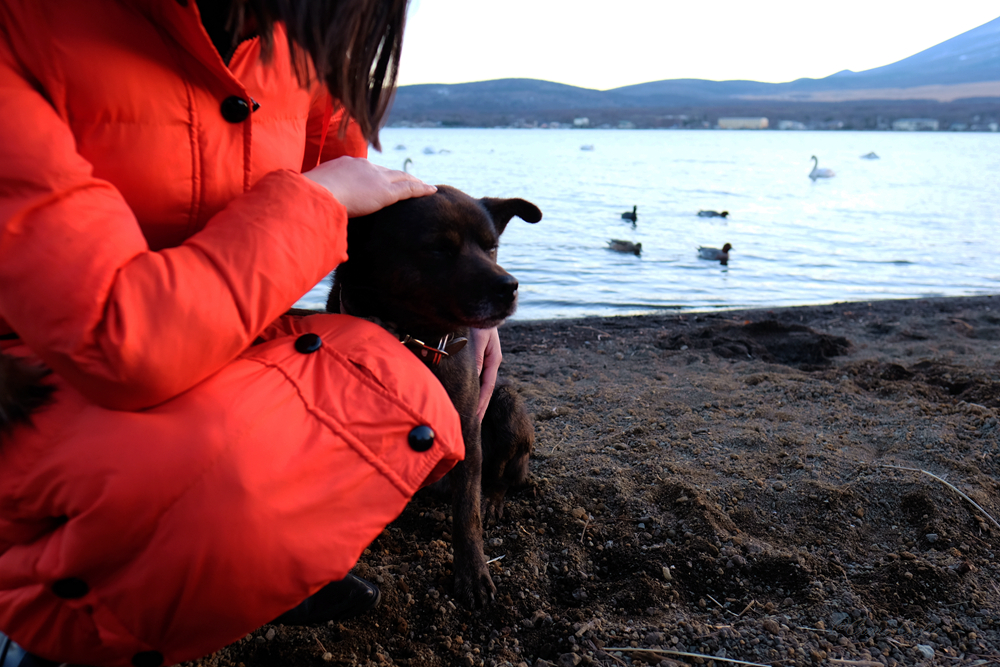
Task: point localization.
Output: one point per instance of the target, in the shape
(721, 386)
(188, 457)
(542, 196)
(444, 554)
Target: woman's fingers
(411, 187)
(363, 187)
(486, 343)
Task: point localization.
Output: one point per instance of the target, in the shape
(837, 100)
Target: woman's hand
(363, 187)
(486, 343)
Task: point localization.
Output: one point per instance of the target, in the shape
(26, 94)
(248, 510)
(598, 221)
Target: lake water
(921, 221)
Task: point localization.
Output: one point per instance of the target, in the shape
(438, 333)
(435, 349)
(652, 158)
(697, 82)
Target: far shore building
(915, 124)
(742, 123)
(791, 125)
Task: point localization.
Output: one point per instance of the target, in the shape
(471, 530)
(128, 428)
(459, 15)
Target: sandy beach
(795, 486)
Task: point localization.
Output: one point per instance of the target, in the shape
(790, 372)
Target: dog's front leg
(473, 585)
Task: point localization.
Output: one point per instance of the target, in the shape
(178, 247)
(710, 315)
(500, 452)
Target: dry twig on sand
(663, 651)
(950, 486)
(599, 332)
(721, 606)
(595, 649)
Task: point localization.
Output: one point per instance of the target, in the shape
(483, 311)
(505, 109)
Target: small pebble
(931, 537)
(569, 660)
(270, 634)
(925, 651)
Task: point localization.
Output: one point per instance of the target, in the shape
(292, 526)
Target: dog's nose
(507, 289)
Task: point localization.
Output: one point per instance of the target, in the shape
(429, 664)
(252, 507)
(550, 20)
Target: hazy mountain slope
(957, 68)
(507, 95)
(972, 57)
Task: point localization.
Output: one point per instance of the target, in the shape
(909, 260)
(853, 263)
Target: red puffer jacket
(184, 486)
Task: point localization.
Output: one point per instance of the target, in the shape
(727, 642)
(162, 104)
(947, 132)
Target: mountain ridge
(966, 66)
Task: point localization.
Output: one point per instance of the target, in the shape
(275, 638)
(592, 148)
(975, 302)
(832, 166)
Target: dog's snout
(506, 289)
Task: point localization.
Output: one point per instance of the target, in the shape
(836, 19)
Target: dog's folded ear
(502, 210)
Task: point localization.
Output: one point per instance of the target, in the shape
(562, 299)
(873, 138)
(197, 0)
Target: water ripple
(919, 222)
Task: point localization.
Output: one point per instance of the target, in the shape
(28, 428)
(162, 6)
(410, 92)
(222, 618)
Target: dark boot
(337, 601)
(12, 655)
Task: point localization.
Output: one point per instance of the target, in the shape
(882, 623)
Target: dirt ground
(754, 486)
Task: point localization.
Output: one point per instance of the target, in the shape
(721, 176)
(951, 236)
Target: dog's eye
(444, 248)
(493, 253)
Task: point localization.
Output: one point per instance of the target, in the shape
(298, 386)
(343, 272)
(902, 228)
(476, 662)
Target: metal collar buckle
(446, 347)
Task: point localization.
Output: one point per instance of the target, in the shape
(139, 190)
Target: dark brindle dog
(426, 270)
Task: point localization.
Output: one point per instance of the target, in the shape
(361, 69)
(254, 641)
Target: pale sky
(616, 43)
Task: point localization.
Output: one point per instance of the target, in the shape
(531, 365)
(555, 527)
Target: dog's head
(430, 263)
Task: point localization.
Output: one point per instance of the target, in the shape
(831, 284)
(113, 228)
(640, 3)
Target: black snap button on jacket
(308, 343)
(421, 438)
(70, 588)
(235, 109)
(147, 659)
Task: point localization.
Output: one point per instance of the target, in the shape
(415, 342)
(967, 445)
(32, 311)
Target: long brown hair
(354, 46)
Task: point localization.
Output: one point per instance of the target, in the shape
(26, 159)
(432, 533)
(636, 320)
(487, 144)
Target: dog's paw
(474, 587)
(492, 509)
(530, 488)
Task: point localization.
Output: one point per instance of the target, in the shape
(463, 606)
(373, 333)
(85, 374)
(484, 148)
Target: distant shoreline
(989, 128)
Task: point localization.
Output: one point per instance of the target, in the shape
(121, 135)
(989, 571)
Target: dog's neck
(430, 346)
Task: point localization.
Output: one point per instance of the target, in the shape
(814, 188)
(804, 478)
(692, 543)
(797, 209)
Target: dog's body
(426, 270)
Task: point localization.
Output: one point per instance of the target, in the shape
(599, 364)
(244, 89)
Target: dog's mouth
(481, 314)
(487, 313)
(417, 314)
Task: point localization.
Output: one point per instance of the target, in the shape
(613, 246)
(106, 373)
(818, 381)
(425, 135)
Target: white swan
(406, 165)
(819, 173)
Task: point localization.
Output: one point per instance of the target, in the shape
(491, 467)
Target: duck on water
(714, 254)
(625, 246)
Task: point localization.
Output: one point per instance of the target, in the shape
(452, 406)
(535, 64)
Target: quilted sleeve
(129, 327)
